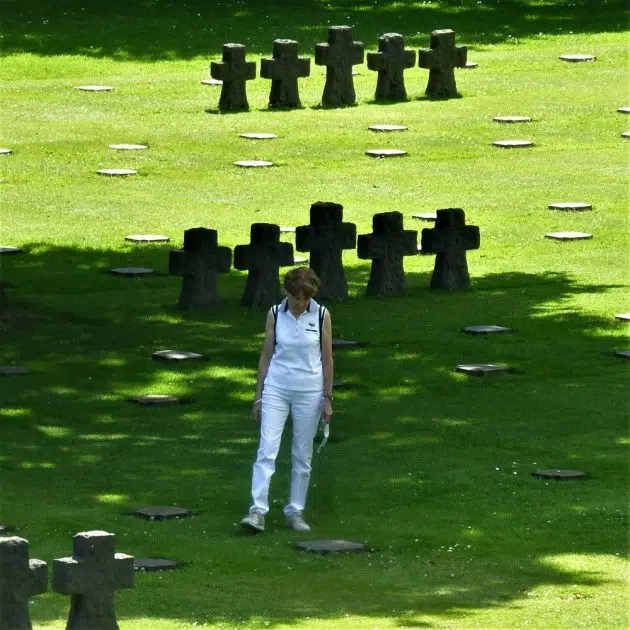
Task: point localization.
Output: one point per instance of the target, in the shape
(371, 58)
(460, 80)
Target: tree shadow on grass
(429, 467)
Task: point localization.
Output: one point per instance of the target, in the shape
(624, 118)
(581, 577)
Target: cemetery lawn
(430, 468)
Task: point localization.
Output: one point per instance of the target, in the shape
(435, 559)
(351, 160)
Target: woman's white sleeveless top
(296, 363)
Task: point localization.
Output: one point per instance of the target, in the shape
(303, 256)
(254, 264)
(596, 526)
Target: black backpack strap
(274, 312)
(322, 315)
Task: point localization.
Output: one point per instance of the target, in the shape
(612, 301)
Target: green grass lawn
(430, 468)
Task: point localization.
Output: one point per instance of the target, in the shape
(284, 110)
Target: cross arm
(177, 262)
(124, 576)
(348, 236)
(223, 259)
(375, 61)
(471, 236)
(38, 577)
(431, 241)
(303, 238)
(68, 576)
(322, 54)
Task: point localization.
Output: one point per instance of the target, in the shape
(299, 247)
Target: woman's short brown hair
(301, 281)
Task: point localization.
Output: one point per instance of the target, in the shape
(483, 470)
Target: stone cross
(339, 55)
(199, 263)
(325, 238)
(386, 246)
(20, 578)
(440, 59)
(263, 257)
(284, 70)
(390, 61)
(449, 239)
(91, 577)
(234, 71)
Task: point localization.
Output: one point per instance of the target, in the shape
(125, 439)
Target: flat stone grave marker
(155, 564)
(624, 354)
(560, 475)
(471, 65)
(6, 151)
(577, 58)
(258, 136)
(178, 356)
(8, 249)
(623, 317)
(95, 88)
(482, 369)
(344, 344)
(117, 172)
(386, 128)
(300, 260)
(624, 110)
(486, 330)
(128, 147)
(513, 144)
(385, 153)
(6, 529)
(625, 134)
(131, 272)
(234, 71)
(568, 236)
(331, 546)
(155, 400)
(287, 229)
(425, 216)
(391, 60)
(253, 163)
(162, 512)
(577, 206)
(441, 59)
(211, 82)
(13, 370)
(147, 238)
(512, 119)
(284, 69)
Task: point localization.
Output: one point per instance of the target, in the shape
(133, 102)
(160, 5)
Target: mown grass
(429, 468)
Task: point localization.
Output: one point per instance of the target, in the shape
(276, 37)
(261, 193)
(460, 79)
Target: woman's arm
(265, 359)
(327, 366)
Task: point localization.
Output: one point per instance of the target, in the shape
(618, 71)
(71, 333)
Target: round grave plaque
(623, 317)
(13, 370)
(5, 151)
(155, 564)
(211, 82)
(471, 65)
(512, 119)
(625, 134)
(623, 354)
(387, 128)
(425, 216)
(385, 153)
(331, 546)
(482, 369)
(95, 88)
(117, 172)
(155, 399)
(577, 206)
(258, 136)
(177, 356)
(624, 110)
(560, 475)
(486, 330)
(253, 163)
(568, 236)
(577, 58)
(344, 344)
(147, 238)
(162, 512)
(128, 147)
(7, 250)
(300, 260)
(131, 272)
(513, 144)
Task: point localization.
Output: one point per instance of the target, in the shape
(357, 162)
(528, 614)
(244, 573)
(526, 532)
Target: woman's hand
(256, 411)
(327, 411)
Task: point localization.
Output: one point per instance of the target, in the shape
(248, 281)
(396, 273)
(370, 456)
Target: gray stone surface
(575, 206)
(486, 330)
(623, 317)
(331, 546)
(234, 71)
(560, 474)
(4, 151)
(199, 263)
(425, 216)
(155, 564)
(325, 238)
(20, 579)
(162, 512)
(7, 250)
(253, 163)
(344, 344)
(441, 59)
(91, 577)
(13, 370)
(213, 82)
(385, 153)
(262, 258)
(284, 70)
(155, 400)
(95, 88)
(339, 54)
(128, 147)
(131, 272)
(577, 58)
(450, 239)
(568, 236)
(512, 119)
(7, 529)
(470, 65)
(513, 144)
(258, 136)
(388, 128)
(482, 369)
(623, 354)
(391, 60)
(117, 172)
(624, 110)
(386, 247)
(147, 238)
(177, 356)
(625, 134)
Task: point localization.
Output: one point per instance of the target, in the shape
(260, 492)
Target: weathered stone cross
(339, 55)
(91, 577)
(198, 263)
(325, 238)
(284, 70)
(387, 246)
(262, 258)
(234, 71)
(449, 239)
(390, 61)
(440, 59)
(20, 579)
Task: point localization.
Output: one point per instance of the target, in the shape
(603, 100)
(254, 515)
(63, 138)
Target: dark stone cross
(91, 577)
(20, 579)
(339, 55)
(440, 59)
(234, 71)
(387, 246)
(198, 263)
(390, 61)
(284, 70)
(449, 239)
(263, 257)
(325, 238)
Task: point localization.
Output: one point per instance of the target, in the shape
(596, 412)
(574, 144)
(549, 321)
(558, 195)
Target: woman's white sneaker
(254, 522)
(297, 523)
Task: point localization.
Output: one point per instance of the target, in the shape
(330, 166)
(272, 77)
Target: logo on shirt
(310, 327)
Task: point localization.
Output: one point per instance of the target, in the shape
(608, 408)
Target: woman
(295, 375)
